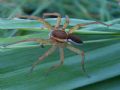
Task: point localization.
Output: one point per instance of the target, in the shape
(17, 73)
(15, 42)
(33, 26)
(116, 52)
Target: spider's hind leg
(80, 25)
(79, 52)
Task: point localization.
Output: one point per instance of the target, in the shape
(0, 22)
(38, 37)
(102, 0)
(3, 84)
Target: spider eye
(74, 39)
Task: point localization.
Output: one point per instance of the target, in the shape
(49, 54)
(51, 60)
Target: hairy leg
(54, 38)
(58, 18)
(61, 51)
(66, 23)
(50, 51)
(80, 25)
(38, 40)
(79, 52)
(46, 24)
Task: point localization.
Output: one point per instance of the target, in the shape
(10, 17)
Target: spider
(59, 38)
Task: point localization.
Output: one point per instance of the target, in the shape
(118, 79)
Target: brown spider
(59, 38)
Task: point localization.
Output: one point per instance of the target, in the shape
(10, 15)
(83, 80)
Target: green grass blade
(102, 62)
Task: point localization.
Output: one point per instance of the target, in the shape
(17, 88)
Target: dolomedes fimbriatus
(59, 38)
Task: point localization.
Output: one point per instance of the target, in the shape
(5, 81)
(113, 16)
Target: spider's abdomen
(74, 39)
(59, 34)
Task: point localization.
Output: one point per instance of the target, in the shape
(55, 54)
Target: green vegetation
(101, 46)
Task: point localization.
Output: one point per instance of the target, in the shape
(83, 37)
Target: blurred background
(106, 57)
(99, 10)
(85, 9)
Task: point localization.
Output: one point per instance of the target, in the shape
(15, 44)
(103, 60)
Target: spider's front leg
(46, 24)
(61, 51)
(58, 18)
(80, 25)
(66, 23)
(79, 52)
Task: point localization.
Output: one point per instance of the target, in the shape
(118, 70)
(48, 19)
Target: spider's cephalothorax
(59, 38)
(58, 35)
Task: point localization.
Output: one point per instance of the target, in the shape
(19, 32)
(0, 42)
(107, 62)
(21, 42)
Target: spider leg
(61, 40)
(79, 52)
(50, 51)
(38, 40)
(61, 51)
(58, 18)
(66, 23)
(80, 25)
(46, 24)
